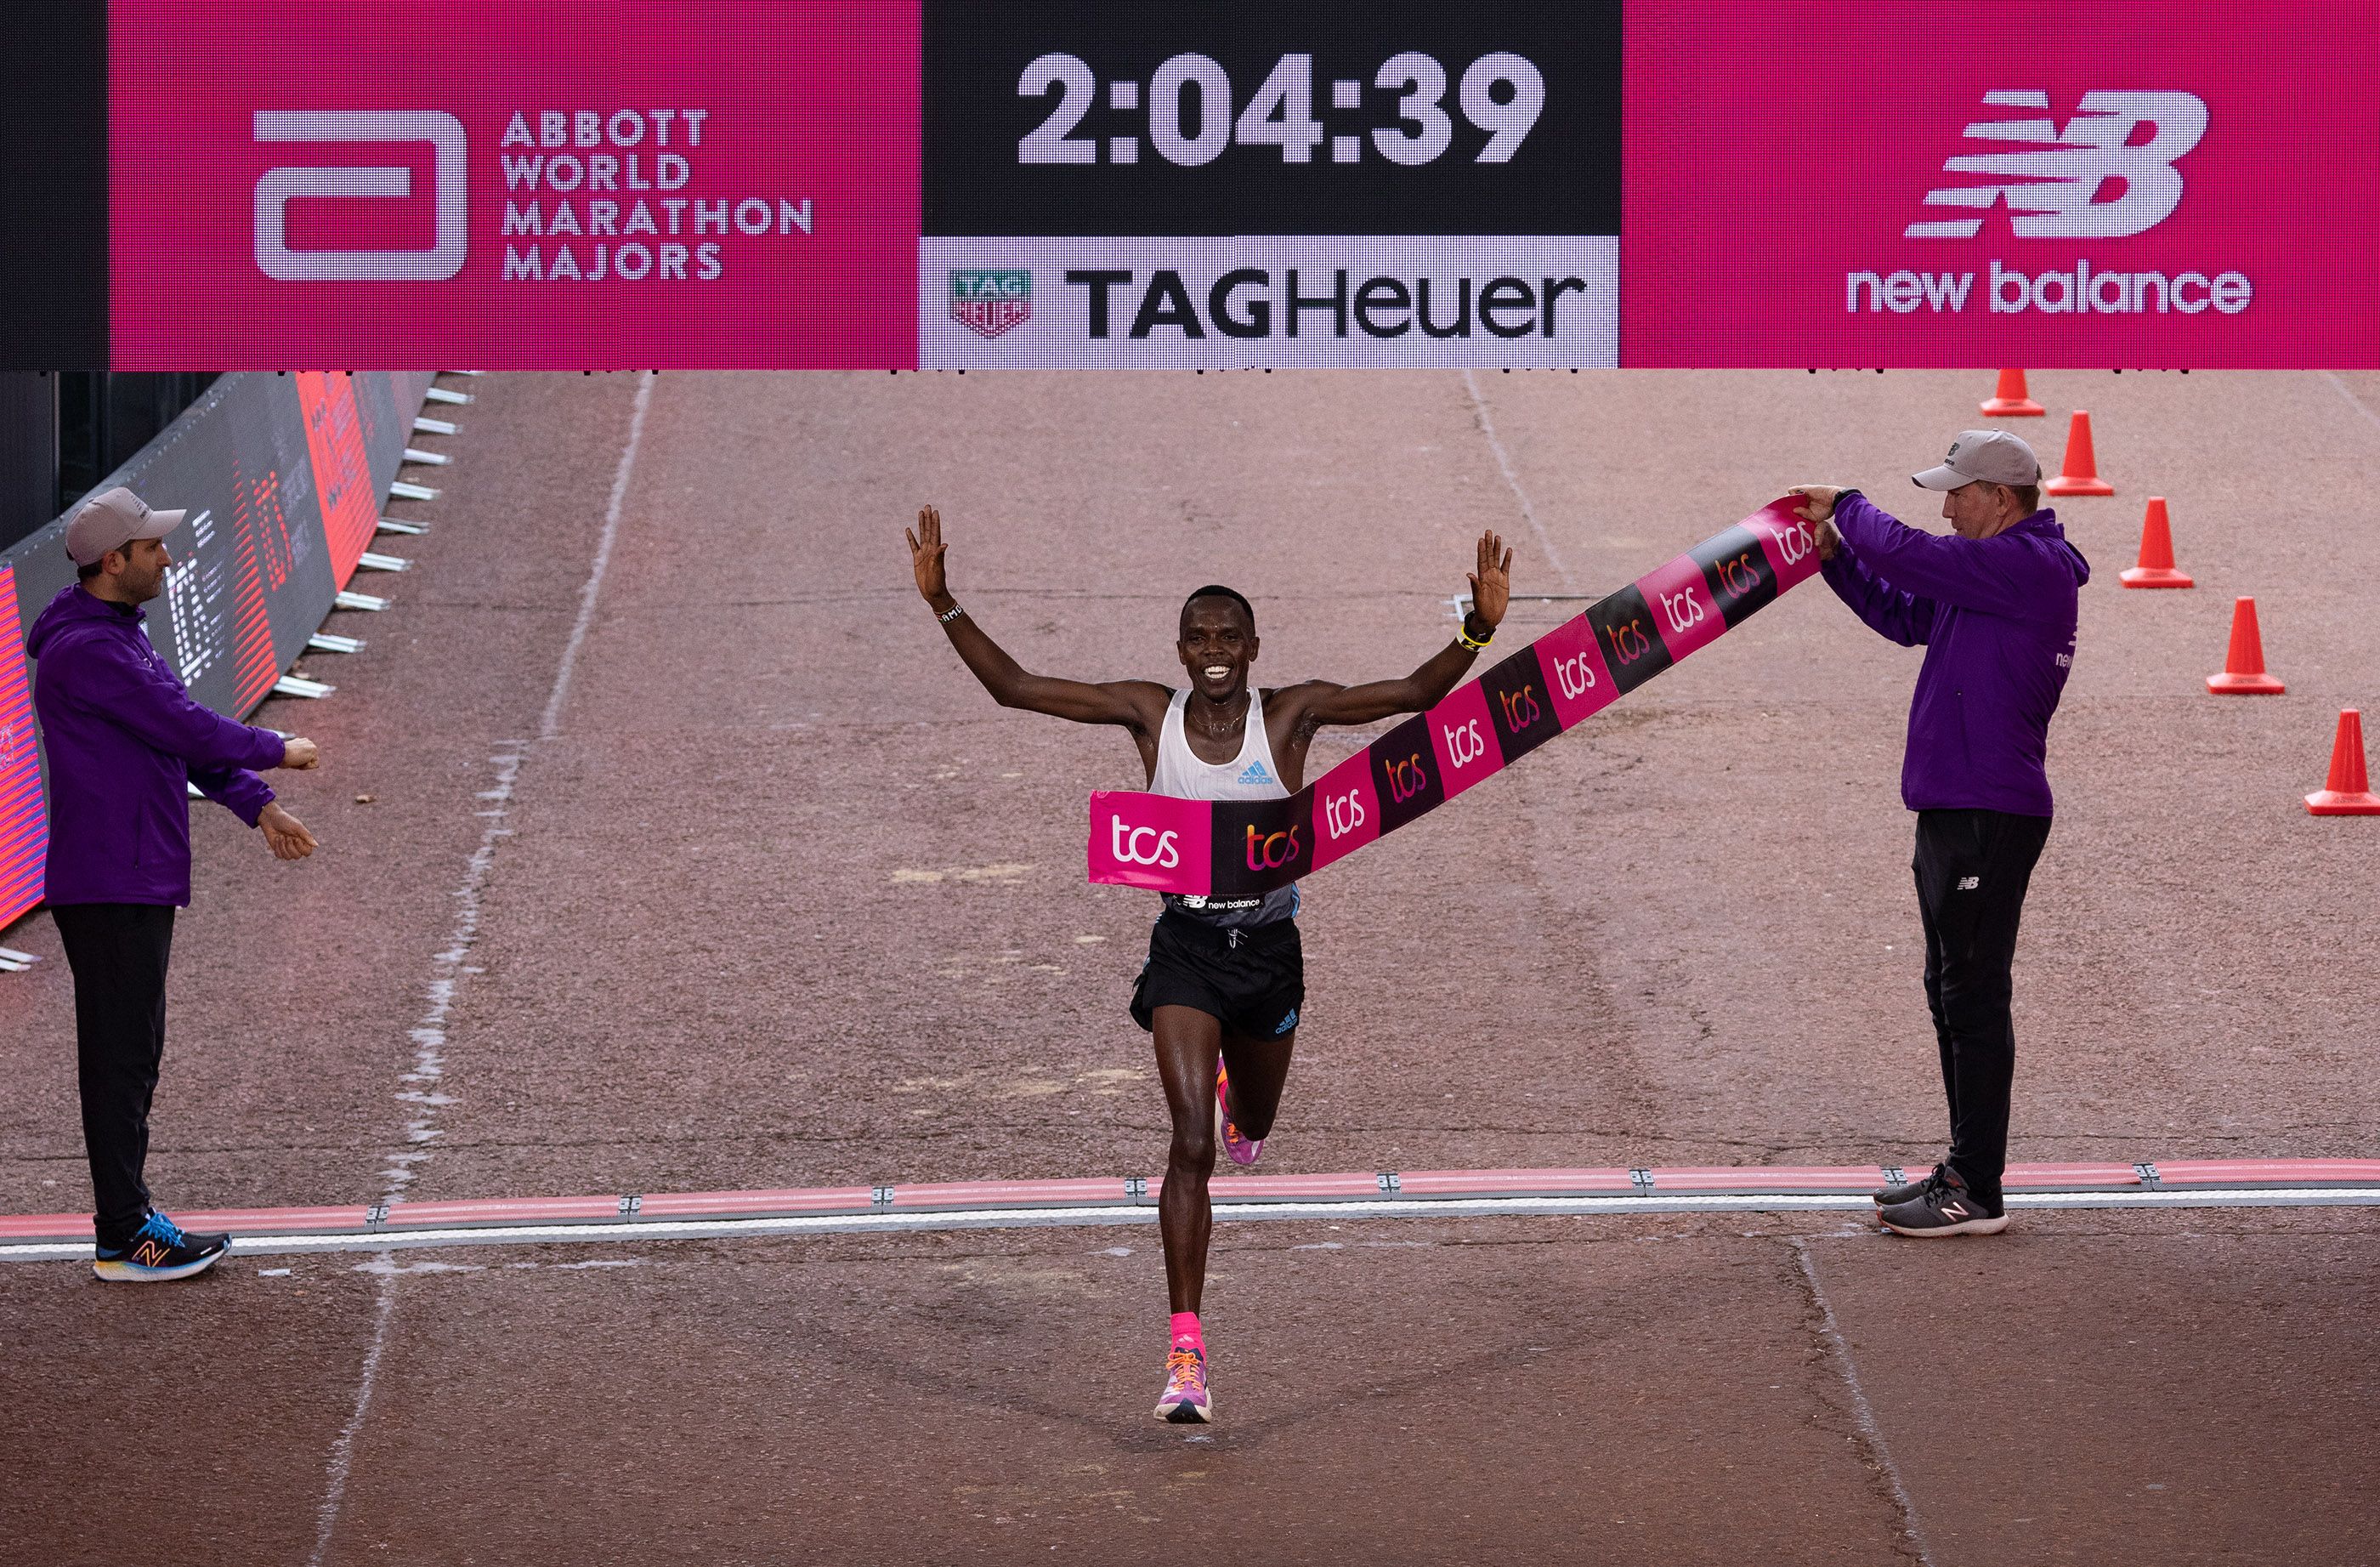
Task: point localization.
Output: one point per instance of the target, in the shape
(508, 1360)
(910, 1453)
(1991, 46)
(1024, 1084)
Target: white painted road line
(589, 1233)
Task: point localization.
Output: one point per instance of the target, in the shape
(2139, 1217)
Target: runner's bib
(1240, 849)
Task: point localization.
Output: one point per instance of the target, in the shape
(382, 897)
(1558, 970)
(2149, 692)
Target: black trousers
(1972, 869)
(119, 954)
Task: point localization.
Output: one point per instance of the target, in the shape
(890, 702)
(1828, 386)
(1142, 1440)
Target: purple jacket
(1996, 619)
(123, 737)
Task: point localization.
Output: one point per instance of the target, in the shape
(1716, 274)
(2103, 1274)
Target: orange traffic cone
(2348, 793)
(2080, 474)
(2009, 401)
(2244, 668)
(2155, 569)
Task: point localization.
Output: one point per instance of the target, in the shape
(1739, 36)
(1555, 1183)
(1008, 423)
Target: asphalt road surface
(694, 860)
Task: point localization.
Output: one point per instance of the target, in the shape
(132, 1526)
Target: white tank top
(1251, 775)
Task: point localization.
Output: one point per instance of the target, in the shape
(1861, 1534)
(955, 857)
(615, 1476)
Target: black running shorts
(1251, 979)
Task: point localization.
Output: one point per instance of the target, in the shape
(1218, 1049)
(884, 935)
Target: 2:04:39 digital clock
(1061, 117)
(1188, 110)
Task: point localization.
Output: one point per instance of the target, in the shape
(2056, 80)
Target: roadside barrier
(282, 476)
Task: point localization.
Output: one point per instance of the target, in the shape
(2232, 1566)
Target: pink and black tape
(1238, 849)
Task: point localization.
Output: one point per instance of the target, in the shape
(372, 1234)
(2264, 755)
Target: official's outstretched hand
(284, 832)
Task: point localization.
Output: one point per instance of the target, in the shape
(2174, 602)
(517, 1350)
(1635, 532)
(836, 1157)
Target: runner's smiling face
(1218, 644)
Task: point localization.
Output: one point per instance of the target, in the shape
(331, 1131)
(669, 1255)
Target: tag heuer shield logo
(988, 303)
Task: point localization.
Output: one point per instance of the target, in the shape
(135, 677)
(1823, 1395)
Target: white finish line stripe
(585, 1232)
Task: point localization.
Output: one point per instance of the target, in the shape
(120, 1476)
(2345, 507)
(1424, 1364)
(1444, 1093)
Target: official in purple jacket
(123, 739)
(1993, 607)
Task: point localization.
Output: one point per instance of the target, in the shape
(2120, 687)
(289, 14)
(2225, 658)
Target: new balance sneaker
(1944, 1208)
(1185, 1400)
(159, 1250)
(1242, 1151)
(1909, 1191)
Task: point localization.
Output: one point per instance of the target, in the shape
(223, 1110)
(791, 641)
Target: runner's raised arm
(1137, 705)
(1320, 702)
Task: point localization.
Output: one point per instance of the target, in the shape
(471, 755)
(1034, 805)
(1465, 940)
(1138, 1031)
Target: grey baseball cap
(1992, 455)
(111, 519)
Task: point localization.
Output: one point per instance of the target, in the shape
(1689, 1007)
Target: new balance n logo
(2054, 189)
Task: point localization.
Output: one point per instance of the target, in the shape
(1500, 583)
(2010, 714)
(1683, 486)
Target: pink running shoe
(1242, 1151)
(1185, 1400)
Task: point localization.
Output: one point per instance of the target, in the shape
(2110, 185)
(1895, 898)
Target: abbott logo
(281, 186)
(2053, 193)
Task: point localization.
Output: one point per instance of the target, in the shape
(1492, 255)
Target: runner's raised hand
(926, 549)
(1491, 585)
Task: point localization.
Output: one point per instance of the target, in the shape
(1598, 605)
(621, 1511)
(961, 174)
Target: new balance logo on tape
(2087, 181)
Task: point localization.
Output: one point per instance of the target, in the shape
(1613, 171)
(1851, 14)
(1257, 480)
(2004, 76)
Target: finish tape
(1240, 849)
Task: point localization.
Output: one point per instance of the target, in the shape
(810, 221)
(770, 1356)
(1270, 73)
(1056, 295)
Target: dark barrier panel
(356, 431)
(387, 404)
(53, 250)
(283, 476)
(24, 824)
(252, 578)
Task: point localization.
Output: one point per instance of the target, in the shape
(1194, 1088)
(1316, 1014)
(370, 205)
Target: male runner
(1225, 979)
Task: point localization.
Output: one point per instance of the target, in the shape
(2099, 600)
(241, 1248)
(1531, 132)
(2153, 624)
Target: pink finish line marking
(1615, 1188)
